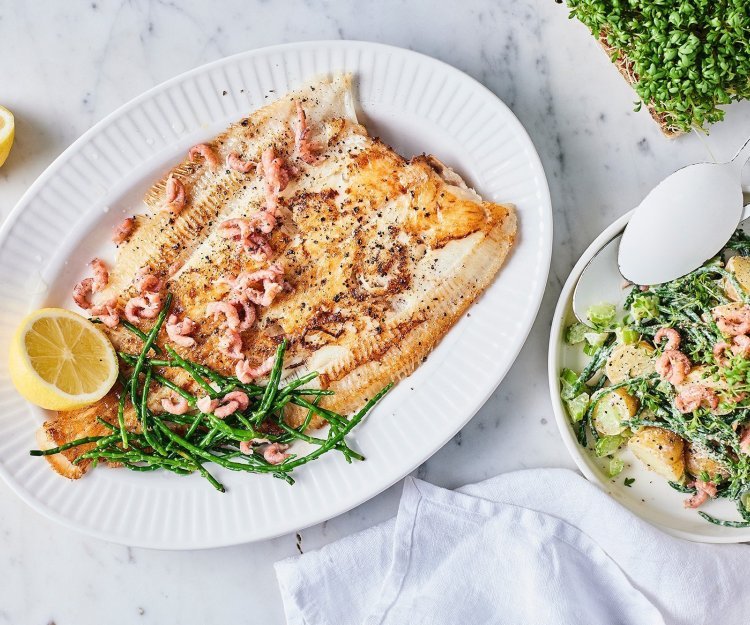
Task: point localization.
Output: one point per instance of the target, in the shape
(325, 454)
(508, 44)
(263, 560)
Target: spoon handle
(743, 155)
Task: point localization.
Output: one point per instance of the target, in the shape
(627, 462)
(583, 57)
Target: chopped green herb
(629, 481)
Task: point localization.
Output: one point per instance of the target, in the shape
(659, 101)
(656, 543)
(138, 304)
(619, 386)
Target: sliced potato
(629, 361)
(697, 462)
(740, 267)
(612, 412)
(660, 450)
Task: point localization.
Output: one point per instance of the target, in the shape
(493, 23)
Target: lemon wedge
(61, 361)
(7, 132)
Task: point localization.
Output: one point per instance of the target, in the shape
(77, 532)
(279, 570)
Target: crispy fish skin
(382, 256)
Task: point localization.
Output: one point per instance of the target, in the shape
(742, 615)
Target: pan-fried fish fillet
(382, 256)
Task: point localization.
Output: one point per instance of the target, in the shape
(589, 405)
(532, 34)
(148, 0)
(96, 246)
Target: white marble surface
(63, 66)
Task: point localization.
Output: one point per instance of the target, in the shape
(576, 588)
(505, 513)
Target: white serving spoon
(602, 279)
(685, 220)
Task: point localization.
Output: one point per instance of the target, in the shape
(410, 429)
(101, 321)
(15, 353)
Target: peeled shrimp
(694, 396)
(205, 151)
(235, 162)
(672, 336)
(673, 366)
(143, 307)
(733, 322)
(123, 231)
(274, 453)
(230, 344)
(175, 195)
(231, 403)
(306, 149)
(175, 405)
(179, 331)
(246, 374)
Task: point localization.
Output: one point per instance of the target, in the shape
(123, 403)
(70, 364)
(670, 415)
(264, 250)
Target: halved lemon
(61, 361)
(7, 132)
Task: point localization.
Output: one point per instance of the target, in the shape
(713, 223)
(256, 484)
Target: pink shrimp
(207, 405)
(147, 282)
(175, 195)
(275, 171)
(672, 336)
(82, 291)
(246, 373)
(143, 307)
(122, 232)
(238, 229)
(245, 311)
(207, 152)
(271, 278)
(259, 247)
(175, 405)
(232, 317)
(703, 490)
(179, 331)
(246, 447)
(673, 366)
(719, 352)
(306, 149)
(733, 322)
(741, 345)
(107, 313)
(235, 162)
(274, 453)
(231, 403)
(230, 344)
(693, 396)
(101, 275)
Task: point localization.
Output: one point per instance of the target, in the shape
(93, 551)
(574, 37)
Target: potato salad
(670, 381)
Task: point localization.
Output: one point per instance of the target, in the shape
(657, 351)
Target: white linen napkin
(541, 546)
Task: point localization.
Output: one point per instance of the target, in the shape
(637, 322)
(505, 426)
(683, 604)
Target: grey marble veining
(63, 66)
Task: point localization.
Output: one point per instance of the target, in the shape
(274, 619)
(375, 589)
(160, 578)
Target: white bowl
(649, 496)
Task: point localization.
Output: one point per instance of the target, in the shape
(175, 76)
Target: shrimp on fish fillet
(179, 331)
(305, 148)
(123, 231)
(246, 373)
(230, 344)
(231, 316)
(206, 152)
(143, 307)
(175, 195)
(235, 162)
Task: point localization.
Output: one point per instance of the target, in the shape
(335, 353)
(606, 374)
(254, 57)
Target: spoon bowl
(602, 282)
(685, 220)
